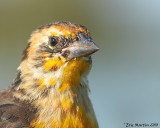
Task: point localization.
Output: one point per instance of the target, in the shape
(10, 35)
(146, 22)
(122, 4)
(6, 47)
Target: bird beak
(83, 47)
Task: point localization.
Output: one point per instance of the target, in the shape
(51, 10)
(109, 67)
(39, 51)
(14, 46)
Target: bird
(51, 88)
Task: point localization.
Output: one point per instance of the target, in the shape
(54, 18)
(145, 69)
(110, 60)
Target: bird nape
(51, 86)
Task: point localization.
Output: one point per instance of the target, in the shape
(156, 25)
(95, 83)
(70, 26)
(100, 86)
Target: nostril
(77, 38)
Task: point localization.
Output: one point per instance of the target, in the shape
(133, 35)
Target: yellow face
(58, 55)
(51, 46)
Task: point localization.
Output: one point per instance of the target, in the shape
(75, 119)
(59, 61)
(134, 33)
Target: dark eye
(52, 41)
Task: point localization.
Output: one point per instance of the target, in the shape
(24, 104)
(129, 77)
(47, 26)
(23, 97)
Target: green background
(125, 78)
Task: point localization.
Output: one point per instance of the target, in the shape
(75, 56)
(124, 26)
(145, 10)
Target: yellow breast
(70, 106)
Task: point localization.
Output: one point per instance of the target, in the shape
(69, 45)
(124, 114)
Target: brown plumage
(14, 113)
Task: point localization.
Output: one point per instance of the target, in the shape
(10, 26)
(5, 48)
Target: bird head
(54, 44)
(58, 54)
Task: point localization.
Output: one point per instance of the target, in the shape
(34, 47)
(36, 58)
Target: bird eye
(52, 41)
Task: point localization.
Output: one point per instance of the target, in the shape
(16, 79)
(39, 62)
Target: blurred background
(125, 78)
